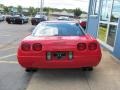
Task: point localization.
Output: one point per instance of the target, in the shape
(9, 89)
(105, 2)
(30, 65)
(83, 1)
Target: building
(83, 16)
(63, 13)
(104, 23)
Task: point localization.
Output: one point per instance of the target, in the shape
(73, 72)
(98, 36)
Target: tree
(77, 12)
(6, 10)
(10, 9)
(19, 9)
(1, 5)
(47, 10)
(37, 10)
(32, 11)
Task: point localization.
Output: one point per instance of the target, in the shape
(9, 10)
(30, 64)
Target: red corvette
(59, 44)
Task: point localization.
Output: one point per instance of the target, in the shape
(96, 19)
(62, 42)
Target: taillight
(37, 47)
(81, 46)
(49, 55)
(70, 55)
(92, 46)
(25, 47)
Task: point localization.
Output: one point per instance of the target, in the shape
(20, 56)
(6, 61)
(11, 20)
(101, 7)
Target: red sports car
(59, 44)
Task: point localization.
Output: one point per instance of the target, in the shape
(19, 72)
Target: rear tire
(87, 68)
(33, 24)
(26, 21)
(9, 22)
(30, 70)
(22, 22)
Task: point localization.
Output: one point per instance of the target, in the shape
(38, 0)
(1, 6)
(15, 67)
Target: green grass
(102, 33)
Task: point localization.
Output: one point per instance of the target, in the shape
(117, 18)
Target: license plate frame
(59, 55)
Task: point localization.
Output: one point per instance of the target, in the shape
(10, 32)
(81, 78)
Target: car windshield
(58, 29)
(38, 16)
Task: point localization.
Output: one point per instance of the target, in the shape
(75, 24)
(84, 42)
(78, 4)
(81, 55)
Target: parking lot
(13, 77)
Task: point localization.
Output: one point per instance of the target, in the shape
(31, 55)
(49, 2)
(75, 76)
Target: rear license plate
(59, 55)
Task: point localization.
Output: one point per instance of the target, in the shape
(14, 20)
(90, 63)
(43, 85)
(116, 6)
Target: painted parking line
(9, 62)
(7, 48)
(1, 45)
(4, 35)
(10, 55)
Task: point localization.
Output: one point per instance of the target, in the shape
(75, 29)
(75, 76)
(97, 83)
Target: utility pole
(41, 7)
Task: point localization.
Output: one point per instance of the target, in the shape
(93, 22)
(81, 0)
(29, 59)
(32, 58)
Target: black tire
(9, 22)
(87, 68)
(26, 21)
(33, 24)
(30, 70)
(22, 21)
(90, 68)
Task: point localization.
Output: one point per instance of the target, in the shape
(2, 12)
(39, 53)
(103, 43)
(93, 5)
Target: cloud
(70, 4)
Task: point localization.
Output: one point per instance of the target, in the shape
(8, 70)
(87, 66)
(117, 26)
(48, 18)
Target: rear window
(37, 16)
(58, 29)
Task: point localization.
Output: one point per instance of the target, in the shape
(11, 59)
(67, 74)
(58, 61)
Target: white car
(1, 17)
(63, 18)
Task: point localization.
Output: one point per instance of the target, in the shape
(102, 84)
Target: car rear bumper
(34, 22)
(14, 20)
(41, 62)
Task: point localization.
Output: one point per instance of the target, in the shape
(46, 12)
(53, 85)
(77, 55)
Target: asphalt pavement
(106, 76)
(12, 75)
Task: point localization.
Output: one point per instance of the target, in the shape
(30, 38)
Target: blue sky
(70, 4)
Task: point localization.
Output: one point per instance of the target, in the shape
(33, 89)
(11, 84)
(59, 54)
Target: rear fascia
(35, 59)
